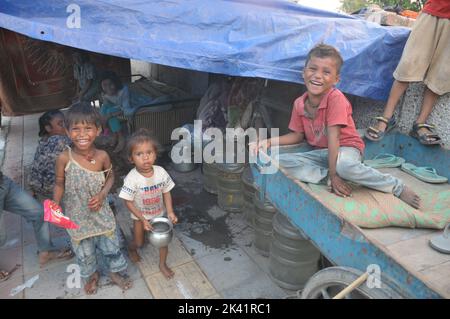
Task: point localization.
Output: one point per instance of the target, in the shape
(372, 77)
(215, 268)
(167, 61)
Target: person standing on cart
(425, 59)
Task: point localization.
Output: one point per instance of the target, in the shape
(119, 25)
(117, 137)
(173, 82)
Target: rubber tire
(345, 276)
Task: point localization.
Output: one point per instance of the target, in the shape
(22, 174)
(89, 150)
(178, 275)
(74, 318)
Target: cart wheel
(328, 282)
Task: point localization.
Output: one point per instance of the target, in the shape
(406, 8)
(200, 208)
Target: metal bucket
(293, 259)
(249, 189)
(264, 212)
(229, 187)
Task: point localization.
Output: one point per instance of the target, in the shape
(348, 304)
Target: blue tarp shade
(254, 38)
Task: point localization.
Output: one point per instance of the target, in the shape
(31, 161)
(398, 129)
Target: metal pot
(184, 167)
(162, 232)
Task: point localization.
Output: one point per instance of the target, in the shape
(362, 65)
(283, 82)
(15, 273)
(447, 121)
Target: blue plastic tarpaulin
(254, 38)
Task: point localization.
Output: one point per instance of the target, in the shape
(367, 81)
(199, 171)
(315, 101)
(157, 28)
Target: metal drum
(229, 187)
(264, 212)
(210, 177)
(210, 172)
(185, 166)
(249, 190)
(293, 259)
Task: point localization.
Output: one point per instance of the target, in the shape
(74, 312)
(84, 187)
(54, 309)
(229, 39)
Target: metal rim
(162, 220)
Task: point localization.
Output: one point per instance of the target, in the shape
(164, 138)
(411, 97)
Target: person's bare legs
(397, 90)
(429, 99)
(113, 140)
(167, 272)
(138, 241)
(120, 142)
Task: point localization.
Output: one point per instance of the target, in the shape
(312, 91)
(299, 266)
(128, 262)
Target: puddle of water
(199, 217)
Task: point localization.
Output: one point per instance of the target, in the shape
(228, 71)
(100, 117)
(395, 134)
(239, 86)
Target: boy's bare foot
(90, 288)
(410, 198)
(123, 282)
(47, 256)
(167, 272)
(134, 255)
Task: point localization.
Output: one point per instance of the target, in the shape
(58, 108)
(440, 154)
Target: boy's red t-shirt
(334, 109)
(438, 8)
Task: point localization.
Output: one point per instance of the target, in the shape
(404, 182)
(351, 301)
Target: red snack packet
(53, 214)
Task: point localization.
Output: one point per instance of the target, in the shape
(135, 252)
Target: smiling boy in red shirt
(323, 116)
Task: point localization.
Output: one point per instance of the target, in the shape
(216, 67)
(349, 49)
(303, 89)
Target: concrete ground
(220, 243)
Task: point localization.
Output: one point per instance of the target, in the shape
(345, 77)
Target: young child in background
(114, 97)
(84, 178)
(323, 116)
(146, 191)
(119, 99)
(84, 73)
(53, 140)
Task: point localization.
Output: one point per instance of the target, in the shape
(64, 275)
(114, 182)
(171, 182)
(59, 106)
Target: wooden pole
(361, 279)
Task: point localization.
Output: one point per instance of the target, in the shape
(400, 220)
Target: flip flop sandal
(8, 274)
(426, 174)
(385, 160)
(425, 138)
(441, 242)
(378, 134)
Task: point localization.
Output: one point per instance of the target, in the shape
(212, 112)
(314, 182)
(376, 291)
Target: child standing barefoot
(146, 191)
(84, 177)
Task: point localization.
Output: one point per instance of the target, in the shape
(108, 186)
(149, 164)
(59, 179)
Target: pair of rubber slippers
(441, 242)
(426, 174)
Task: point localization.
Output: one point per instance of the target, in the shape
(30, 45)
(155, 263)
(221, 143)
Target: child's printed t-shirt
(147, 192)
(334, 109)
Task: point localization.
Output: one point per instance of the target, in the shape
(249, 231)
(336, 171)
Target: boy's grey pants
(312, 167)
